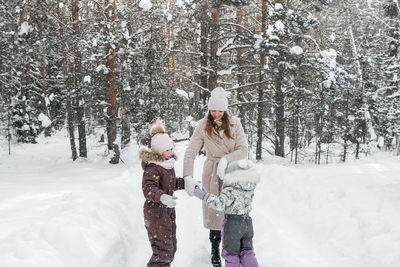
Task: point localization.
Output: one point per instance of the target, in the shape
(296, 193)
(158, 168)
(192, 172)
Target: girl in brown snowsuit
(159, 183)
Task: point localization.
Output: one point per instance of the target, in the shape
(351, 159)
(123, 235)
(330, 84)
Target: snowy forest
(304, 76)
(315, 84)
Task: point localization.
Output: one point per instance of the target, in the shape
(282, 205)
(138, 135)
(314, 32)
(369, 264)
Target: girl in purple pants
(235, 201)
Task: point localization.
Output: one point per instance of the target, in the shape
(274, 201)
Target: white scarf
(166, 164)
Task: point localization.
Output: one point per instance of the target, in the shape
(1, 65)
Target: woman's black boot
(215, 239)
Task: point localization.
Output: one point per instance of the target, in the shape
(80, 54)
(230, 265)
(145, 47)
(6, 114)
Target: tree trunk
(327, 153)
(125, 127)
(110, 9)
(4, 90)
(172, 54)
(9, 130)
(261, 87)
(318, 153)
(201, 96)
(70, 120)
(214, 31)
(279, 116)
(357, 148)
(297, 140)
(203, 44)
(173, 60)
(23, 96)
(346, 135)
(240, 76)
(43, 84)
(279, 111)
(80, 111)
(294, 136)
(359, 76)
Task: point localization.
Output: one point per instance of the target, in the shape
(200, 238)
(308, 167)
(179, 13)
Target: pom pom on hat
(156, 128)
(243, 164)
(218, 100)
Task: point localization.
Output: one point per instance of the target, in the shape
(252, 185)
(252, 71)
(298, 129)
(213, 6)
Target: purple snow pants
(237, 241)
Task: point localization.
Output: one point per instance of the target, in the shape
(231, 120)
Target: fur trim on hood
(146, 154)
(250, 175)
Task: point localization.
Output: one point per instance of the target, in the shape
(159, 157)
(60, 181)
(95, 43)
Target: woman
(224, 141)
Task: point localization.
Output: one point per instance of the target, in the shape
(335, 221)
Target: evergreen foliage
(331, 70)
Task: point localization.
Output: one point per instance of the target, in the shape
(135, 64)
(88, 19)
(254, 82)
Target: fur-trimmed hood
(245, 179)
(146, 155)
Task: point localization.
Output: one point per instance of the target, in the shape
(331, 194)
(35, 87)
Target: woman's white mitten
(190, 184)
(223, 163)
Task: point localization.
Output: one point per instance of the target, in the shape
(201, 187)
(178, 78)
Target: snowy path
(336, 215)
(57, 213)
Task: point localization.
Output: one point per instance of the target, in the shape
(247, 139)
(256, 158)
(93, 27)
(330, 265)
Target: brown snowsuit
(159, 220)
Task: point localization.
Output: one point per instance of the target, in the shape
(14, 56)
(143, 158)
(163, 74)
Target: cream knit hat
(160, 140)
(218, 100)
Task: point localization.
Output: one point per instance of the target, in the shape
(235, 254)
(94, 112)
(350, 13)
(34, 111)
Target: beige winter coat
(216, 147)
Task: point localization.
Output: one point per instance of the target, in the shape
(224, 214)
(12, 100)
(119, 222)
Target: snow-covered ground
(56, 213)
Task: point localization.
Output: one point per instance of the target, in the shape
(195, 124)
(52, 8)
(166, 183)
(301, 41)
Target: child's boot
(215, 239)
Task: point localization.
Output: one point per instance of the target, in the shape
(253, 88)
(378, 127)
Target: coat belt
(214, 181)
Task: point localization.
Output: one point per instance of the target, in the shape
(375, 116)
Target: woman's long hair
(213, 128)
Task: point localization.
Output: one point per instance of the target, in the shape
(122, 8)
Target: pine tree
(285, 42)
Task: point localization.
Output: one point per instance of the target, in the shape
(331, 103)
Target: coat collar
(146, 155)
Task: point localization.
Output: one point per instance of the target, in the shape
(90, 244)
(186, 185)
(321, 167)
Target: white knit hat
(241, 171)
(218, 100)
(160, 140)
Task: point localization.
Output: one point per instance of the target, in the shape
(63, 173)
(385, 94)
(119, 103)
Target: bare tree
(262, 85)
(70, 117)
(77, 77)
(110, 9)
(214, 32)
